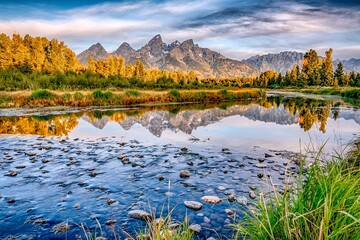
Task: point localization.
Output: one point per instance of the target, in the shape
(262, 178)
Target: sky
(236, 28)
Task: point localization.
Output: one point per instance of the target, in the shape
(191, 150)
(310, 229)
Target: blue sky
(237, 29)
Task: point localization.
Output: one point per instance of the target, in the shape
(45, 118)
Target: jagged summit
(124, 50)
(96, 51)
(185, 56)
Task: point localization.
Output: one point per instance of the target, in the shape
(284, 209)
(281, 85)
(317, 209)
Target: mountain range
(189, 120)
(206, 63)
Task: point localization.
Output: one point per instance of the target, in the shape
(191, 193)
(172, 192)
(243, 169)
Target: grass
(41, 94)
(129, 97)
(324, 206)
(165, 228)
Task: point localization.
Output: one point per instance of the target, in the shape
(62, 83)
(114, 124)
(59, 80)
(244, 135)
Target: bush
(78, 96)
(352, 93)
(224, 92)
(132, 93)
(98, 94)
(200, 95)
(41, 94)
(175, 93)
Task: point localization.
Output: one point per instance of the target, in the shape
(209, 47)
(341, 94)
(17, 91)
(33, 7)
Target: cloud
(235, 28)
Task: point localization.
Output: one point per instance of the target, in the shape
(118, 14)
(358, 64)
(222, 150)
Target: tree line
(36, 62)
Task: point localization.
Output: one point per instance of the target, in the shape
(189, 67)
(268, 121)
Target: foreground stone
(184, 174)
(196, 228)
(193, 205)
(139, 214)
(61, 228)
(252, 195)
(211, 199)
(11, 174)
(242, 200)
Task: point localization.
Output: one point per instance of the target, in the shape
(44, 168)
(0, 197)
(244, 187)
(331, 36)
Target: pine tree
(339, 74)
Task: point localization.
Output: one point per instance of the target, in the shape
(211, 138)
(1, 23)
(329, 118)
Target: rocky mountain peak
(125, 50)
(156, 46)
(96, 51)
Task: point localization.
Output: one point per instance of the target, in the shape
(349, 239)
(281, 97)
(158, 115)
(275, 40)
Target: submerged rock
(184, 174)
(196, 228)
(193, 205)
(252, 195)
(260, 165)
(61, 228)
(242, 200)
(40, 221)
(229, 212)
(110, 222)
(11, 174)
(231, 198)
(211, 199)
(110, 201)
(139, 214)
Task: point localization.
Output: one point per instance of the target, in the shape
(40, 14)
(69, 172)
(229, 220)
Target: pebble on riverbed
(11, 174)
(61, 228)
(196, 228)
(193, 205)
(252, 195)
(139, 214)
(184, 174)
(211, 199)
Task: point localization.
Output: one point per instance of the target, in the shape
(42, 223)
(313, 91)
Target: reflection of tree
(50, 126)
(309, 111)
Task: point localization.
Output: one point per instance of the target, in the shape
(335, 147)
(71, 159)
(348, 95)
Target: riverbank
(323, 203)
(45, 98)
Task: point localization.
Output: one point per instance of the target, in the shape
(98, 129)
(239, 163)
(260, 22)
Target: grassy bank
(129, 97)
(324, 206)
(350, 92)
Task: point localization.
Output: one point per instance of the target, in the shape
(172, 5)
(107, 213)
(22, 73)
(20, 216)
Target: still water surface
(76, 170)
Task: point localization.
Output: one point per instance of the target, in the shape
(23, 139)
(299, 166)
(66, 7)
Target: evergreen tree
(339, 74)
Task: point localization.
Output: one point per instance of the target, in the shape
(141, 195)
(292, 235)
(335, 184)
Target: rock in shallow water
(196, 228)
(139, 214)
(242, 200)
(211, 199)
(11, 174)
(252, 195)
(61, 228)
(184, 174)
(193, 205)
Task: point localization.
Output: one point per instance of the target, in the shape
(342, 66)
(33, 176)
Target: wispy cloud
(237, 28)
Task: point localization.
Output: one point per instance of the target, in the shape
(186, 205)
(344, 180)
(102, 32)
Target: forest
(30, 63)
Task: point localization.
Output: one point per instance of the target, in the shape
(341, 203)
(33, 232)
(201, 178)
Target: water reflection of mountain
(187, 121)
(350, 115)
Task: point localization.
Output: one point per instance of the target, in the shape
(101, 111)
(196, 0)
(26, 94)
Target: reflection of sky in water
(233, 132)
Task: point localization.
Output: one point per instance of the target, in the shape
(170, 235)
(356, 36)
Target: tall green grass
(324, 206)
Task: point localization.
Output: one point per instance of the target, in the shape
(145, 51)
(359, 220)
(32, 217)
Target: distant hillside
(284, 61)
(183, 56)
(280, 62)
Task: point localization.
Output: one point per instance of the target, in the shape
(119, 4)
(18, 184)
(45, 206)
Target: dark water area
(66, 165)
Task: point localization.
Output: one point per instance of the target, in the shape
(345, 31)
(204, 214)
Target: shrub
(41, 94)
(132, 93)
(224, 92)
(175, 93)
(78, 96)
